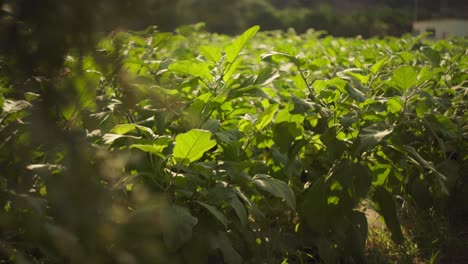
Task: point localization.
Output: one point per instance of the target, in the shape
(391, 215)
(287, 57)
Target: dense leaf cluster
(196, 148)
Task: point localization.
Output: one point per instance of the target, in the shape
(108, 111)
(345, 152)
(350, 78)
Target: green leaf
(355, 93)
(385, 205)
(177, 224)
(301, 106)
(123, 129)
(233, 49)
(199, 69)
(394, 105)
(378, 65)
(211, 53)
(404, 77)
(230, 255)
(215, 212)
(191, 146)
(276, 188)
(371, 136)
(266, 76)
(110, 138)
(432, 55)
(265, 117)
(239, 208)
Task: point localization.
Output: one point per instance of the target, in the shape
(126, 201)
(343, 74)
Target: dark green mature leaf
(432, 55)
(191, 146)
(239, 208)
(385, 205)
(276, 188)
(177, 224)
(371, 136)
(215, 212)
(231, 256)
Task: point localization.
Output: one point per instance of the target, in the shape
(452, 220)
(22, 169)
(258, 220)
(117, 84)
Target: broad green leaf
(233, 49)
(355, 93)
(394, 105)
(385, 205)
(228, 74)
(176, 226)
(444, 125)
(371, 136)
(211, 53)
(199, 69)
(215, 212)
(230, 255)
(314, 207)
(404, 77)
(191, 146)
(240, 210)
(109, 138)
(432, 55)
(123, 129)
(266, 117)
(156, 150)
(301, 106)
(425, 164)
(406, 56)
(266, 76)
(378, 65)
(276, 188)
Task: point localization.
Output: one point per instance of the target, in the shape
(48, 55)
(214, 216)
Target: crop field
(268, 147)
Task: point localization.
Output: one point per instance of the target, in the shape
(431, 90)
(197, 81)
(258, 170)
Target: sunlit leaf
(404, 77)
(266, 117)
(199, 68)
(191, 146)
(233, 49)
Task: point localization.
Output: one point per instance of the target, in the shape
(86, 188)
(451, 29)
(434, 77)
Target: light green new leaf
(123, 129)
(211, 53)
(232, 50)
(394, 105)
(378, 65)
(215, 212)
(109, 138)
(265, 117)
(404, 77)
(191, 146)
(276, 188)
(199, 69)
(156, 147)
